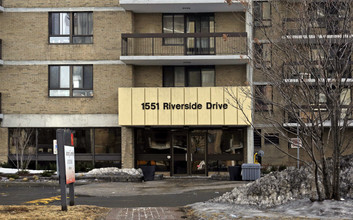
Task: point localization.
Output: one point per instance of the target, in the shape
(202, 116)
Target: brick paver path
(150, 213)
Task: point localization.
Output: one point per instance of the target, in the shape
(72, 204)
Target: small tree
(22, 140)
(305, 57)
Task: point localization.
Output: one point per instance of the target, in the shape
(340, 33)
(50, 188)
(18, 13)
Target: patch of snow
(13, 171)
(298, 209)
(115, 171)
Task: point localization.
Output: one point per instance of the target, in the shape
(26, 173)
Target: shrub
(47, 173)
(274, 168)
(5, 165)
(22, 173)
(282, 167)
(13, 176)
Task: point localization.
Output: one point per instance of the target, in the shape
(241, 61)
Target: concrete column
(127, 148)
(4, 132)
(250, 145)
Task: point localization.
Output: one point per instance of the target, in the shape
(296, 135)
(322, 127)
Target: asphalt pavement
(164, 193)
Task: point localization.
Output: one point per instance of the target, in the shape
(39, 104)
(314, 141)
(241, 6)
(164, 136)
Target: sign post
(66, 161)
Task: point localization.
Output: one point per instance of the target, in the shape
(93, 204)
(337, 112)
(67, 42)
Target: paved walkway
(154, 213)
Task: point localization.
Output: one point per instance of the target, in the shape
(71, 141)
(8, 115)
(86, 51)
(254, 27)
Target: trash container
(148, 172)
(250, 171)
(234, 173)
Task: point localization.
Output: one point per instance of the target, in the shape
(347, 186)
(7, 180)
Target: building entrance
(189, 152)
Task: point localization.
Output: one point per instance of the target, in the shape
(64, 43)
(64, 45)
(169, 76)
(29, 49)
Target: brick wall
(59, 3)
(25, 37)
(25, 91)
(3, 144)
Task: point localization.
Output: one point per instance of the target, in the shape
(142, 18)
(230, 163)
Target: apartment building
(139, 82)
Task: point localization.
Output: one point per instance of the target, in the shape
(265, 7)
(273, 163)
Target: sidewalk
(154, 213)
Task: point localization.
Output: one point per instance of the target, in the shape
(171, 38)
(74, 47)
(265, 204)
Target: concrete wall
(127, 148)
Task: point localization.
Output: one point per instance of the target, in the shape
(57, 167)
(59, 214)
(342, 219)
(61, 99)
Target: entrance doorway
(189, 153)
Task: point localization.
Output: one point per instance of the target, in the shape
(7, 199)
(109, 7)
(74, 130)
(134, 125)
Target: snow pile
(274, 189)
(14, 171)
(280, 187)
(115, 171)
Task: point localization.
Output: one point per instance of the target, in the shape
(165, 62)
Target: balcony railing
(307, 72)
(161, 44)
(313, 113)
(322, 26)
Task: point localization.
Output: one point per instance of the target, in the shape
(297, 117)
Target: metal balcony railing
(322, 26)
(301, 71)
(161, 44)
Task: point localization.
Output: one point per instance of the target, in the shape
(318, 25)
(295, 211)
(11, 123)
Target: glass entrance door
(197, 152)
(179, 154)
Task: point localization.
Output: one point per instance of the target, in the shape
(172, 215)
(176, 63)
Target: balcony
(183, 106)
(312, 114)
(185, 49)
(322, 26)
(181, 6)
(309, 73)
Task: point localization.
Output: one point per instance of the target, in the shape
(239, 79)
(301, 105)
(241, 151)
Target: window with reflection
(180, 76)
(152, 147)
(173, 24)
(71, 81)
(67, 27)
(107, 140)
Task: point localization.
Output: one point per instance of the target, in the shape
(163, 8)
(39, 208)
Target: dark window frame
(259, 53)
(71, 87)
(260, 103)
(71, 35)
(272, 138)
(257, 139)
(172, 14)
(186, 75)
(259, 20)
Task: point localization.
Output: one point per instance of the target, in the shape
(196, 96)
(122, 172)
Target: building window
(173, 24)
(76, 27)
(257, 139)
(180, 76)
(263, 54)
(71, 81)
(262, 13)
(272, 138)
(264, 98)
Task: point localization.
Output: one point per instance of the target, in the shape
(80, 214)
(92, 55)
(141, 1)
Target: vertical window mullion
(71, 80)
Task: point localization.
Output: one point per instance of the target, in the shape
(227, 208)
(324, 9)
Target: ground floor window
(94, 147)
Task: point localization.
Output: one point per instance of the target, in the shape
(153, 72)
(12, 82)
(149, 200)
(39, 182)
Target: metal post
(61, 159)
(72, 194)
